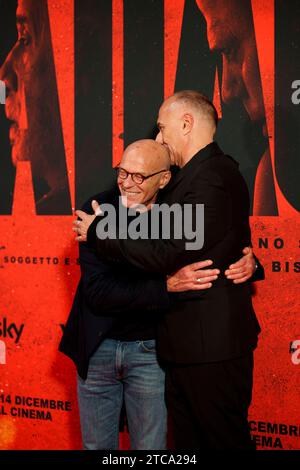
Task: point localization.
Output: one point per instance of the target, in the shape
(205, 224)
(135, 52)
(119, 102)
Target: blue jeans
(123, 371)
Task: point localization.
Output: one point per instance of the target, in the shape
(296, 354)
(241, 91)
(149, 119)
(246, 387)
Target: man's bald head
(154, 155)
(194, 101)
(187, 123)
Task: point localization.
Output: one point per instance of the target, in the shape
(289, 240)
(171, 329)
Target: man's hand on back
(243, 269)
(195, 277)
(81, 226)
(192, 277)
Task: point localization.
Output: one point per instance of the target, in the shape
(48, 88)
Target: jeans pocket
(149, 345)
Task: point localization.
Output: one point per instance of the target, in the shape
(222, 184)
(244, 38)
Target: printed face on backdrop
(230, 32)
(233, 37)
(31, 104)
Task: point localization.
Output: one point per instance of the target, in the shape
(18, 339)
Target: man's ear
(188, 123)
(165, 179)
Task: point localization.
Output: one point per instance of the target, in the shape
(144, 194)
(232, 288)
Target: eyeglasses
(136, 177)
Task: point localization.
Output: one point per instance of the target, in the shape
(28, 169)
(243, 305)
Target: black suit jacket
(104, 292)
(218, 323)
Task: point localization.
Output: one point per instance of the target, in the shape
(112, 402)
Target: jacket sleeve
(109, 292)
(167, 255)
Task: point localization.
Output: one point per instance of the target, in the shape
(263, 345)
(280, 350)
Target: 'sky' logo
(11, 330)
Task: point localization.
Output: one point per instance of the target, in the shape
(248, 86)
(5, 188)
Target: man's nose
(8, 74)
(232, 81)
(159, 138)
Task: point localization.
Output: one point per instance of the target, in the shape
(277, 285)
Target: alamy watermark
(295, 352)
(163, 221)
(296, 94)
(2, 92)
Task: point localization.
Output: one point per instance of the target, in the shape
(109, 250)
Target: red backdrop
(38, 254)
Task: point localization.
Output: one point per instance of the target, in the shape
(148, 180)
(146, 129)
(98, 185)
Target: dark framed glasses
(138, 178)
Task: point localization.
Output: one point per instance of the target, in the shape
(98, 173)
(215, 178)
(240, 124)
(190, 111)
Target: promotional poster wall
(81, 79)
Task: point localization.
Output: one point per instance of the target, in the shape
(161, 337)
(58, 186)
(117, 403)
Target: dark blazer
(104, 292)
(218, 323)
